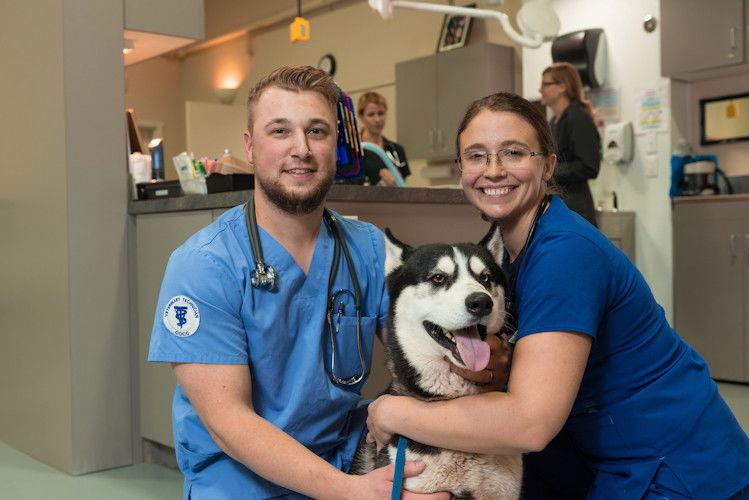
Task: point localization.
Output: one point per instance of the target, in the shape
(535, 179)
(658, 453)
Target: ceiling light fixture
(128, 46)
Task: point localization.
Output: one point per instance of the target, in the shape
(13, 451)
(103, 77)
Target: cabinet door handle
(746, 244)
(431, 139)
(732, 239)
(732, 37)
(439, 138)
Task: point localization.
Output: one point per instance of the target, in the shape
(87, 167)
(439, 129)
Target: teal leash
(400, 463)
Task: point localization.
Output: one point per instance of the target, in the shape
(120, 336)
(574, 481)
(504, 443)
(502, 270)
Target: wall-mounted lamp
(226, 96)
(128, 46)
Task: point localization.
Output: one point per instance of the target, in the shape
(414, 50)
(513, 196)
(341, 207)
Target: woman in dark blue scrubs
(595, 358)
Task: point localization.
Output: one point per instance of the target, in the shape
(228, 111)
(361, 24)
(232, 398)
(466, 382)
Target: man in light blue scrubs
(256, 414)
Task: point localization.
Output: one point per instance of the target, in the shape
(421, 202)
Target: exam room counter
(157, 227)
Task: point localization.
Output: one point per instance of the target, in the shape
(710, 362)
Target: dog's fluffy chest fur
(466, 475)
(444, 301)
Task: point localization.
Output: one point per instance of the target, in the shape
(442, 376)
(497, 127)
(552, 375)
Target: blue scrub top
(647, 418)
(208, 312)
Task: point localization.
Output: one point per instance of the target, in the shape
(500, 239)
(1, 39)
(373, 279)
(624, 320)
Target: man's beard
(296, 204)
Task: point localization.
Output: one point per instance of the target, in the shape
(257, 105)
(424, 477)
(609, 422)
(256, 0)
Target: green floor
(24, 478)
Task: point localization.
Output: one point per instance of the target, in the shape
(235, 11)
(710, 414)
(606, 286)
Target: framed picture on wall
(454, 32)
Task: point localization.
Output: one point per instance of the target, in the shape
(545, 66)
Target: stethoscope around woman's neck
(265, 276)
(510, 295)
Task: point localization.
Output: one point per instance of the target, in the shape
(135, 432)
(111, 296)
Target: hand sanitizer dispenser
(617, 143)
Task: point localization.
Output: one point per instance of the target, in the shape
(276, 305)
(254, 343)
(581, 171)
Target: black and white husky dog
(443, 301)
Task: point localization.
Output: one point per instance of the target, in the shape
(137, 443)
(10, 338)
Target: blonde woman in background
(577, 140)
(372, 112)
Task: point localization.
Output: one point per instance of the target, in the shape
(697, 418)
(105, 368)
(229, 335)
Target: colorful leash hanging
(400, 463)
(349, 153)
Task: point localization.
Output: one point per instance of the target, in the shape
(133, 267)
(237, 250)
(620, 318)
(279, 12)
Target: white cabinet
(157, 236)
(711, 282)
(433, 92)
(702, 35)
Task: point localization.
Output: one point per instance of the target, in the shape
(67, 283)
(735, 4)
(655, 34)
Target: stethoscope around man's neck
(265, 276)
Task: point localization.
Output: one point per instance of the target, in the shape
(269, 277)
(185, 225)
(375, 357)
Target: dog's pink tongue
(473, 351)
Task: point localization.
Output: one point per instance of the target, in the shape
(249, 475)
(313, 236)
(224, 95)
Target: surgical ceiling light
(537, 20)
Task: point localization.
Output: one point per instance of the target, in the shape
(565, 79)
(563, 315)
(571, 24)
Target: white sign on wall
(653, 112)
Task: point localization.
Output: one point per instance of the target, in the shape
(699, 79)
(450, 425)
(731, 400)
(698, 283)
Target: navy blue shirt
(647, 416)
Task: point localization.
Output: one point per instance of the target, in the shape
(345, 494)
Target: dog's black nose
(479, 304)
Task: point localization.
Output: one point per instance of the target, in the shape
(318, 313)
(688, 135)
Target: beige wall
(152, 89)
(64, 346)
(34, 331)
(366, 49)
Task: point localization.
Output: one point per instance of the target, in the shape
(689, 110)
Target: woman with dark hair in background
(578, 143)
(372, 111)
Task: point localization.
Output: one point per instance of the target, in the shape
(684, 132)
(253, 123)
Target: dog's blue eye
(437, 279)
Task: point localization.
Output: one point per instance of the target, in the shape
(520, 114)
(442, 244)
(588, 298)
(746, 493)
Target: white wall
(634, 64)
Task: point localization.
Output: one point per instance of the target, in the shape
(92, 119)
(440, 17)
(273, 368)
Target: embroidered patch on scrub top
(181, 316)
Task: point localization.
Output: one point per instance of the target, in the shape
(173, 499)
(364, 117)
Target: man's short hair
(296, 79)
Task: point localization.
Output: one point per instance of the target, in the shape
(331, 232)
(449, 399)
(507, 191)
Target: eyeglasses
(546, 84)
(512, 157)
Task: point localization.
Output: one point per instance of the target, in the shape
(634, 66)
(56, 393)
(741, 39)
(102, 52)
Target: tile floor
(23, 478)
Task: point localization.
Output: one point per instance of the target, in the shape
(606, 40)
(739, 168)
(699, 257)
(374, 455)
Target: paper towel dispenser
(586, 51)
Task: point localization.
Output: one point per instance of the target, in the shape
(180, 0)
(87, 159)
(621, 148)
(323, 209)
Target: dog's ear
(494, 243)
(395, 252)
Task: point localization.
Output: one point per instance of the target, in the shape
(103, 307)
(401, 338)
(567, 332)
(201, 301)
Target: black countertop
(710, 198)
(338, 192)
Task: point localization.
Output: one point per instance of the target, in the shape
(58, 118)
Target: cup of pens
(191, 174)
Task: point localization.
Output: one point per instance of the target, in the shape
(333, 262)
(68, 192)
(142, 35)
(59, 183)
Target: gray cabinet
(711, 283)
(157, 235)
(183, 18)
(619, 227)
(701, 35)
(433, 92)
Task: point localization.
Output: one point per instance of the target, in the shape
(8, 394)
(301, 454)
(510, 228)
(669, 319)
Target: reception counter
(418, 215)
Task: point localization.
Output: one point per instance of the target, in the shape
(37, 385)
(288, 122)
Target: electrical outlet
(651, 143)
(651, 165)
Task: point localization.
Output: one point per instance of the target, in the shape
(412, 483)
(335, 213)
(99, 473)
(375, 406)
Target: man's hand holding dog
(494, 376)
(379, 483)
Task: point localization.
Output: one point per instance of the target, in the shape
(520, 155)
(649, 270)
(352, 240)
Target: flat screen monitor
(134, 141)
(724, 119)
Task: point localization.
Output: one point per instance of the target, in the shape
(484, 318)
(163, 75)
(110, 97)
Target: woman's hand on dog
(377, 419)
(379, 483)
(494, 376)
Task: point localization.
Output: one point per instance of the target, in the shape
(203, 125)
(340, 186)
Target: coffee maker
(701, 178)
